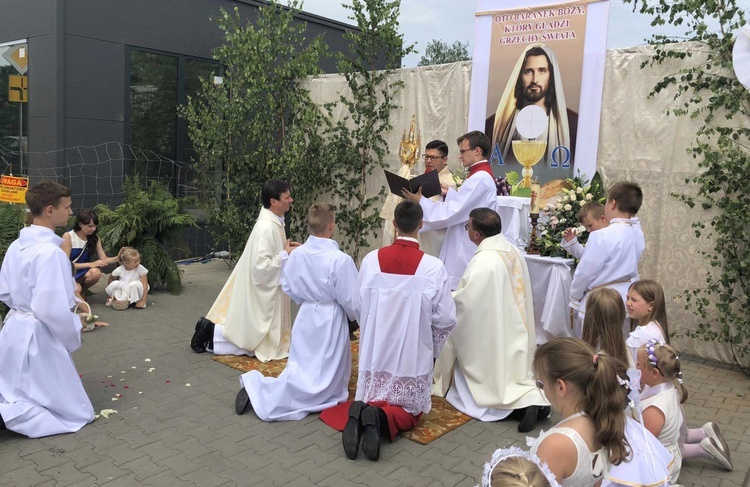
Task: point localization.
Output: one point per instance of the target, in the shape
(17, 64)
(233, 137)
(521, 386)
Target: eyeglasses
(466, 150)
(539, 384)
(466, 227)
(432, 158)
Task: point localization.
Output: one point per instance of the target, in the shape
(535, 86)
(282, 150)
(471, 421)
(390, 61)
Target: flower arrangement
(562, 213)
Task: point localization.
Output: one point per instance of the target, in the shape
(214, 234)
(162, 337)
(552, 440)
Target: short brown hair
(628, 196)
(593, 208)
(319, 216)
(476, 139)
(44, 194)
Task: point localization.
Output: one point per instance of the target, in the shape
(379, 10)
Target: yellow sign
(18, 57)
(18, 88)
(13, 189)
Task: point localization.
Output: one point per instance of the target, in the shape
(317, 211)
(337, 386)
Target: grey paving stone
(177, 435)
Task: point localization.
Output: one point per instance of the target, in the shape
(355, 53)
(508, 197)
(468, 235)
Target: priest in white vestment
(40, 390)
(436, 159)
(405, 311)
(611, 255)
(320, 278)
(252, 315)
(478, 191)
(494, 340)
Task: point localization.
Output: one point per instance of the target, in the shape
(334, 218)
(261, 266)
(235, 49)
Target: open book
(430, 183)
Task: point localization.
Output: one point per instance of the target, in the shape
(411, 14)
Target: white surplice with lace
(404, 321)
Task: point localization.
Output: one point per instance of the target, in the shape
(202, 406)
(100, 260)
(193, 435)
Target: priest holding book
(436, 159)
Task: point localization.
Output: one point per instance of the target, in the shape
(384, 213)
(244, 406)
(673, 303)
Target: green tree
(439, 52)
(357, 140)
(260, 122)
(710, 92)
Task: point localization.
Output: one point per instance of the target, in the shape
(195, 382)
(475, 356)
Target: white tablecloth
(550, 288)
(514, 214)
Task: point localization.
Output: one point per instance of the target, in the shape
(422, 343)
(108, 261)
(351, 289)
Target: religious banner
(536, 85)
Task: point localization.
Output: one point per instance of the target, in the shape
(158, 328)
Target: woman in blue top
(85, 250)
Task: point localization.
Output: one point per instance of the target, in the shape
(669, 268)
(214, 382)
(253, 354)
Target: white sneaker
(712, 430)
(717, 453)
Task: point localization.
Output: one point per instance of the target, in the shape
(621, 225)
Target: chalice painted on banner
(531, 122)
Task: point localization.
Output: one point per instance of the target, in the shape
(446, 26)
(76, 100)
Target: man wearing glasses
(436, 159)
(489, 354)
(478, 191)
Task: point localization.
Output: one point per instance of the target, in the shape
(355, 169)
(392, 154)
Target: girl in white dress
(661, 400)
(128, 284)
(647, 306)
(514, 467)
(647, 310)
(602, 325)
(582, 385)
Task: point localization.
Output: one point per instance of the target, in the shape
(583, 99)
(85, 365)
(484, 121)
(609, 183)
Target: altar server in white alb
(40, 390)
(405, 310)
(611, 255)
(252, 314)
(320, 278)
(478, 191)
(494, 339)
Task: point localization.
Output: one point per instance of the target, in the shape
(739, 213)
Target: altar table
(550, 288)
(514, 213)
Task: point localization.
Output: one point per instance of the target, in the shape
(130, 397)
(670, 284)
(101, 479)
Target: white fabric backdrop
(638, 141)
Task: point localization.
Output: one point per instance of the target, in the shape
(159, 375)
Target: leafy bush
(149, 220)
(11, 222)
(563, 213)
(710, 92)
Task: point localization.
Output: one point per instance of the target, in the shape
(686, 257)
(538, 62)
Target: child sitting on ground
(514, 467)
(128, 284)
(591, 216)
(647, 309)
(582, 386)
(602, 325)
(663, 415)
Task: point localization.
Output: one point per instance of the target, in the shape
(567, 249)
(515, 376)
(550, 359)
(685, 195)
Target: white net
(96, 175)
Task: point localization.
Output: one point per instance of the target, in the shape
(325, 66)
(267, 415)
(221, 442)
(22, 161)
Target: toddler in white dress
(128, 284)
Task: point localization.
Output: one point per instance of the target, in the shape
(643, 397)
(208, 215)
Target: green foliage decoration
(11, 222)
(440, 52)
(563, 213)
(259, 123)
(150, 220)
(357, 141)
(710, 92)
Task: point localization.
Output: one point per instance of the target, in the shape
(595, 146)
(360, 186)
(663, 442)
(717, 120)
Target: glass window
(14, 108)
(160, 143)
(153, 115)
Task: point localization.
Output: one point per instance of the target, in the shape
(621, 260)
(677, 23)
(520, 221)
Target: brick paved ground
(168, 433)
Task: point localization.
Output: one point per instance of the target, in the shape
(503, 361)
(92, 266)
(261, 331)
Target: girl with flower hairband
(661, 401)
(514, 467)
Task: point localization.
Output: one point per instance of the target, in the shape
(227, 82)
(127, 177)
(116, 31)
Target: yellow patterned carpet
(441, 419)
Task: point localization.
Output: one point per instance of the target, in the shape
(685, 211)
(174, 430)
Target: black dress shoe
(241, 402)
(530, 418)
(204, 334)
(371, 435)
(353, 430)
(544, 413)
(353, 326)
(2, 424)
